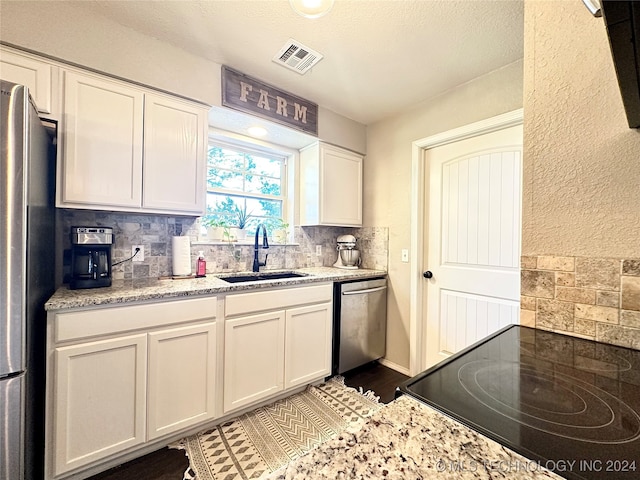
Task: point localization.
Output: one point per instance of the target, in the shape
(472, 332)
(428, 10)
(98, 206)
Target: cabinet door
(102, 146)
(253, 358)
(182, 373)
(340, 187)
(331, 193)
(307, 344)
(175, 147)
(34, 74)
(100, 400)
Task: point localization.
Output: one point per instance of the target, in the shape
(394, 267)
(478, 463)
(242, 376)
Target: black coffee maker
(91, 257)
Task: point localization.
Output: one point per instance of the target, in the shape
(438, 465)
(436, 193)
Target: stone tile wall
(155, 232)
(594, 298)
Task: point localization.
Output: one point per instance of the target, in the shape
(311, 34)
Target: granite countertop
(124, 291)
(408, 439)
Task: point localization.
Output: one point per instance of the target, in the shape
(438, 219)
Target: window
(242, 181)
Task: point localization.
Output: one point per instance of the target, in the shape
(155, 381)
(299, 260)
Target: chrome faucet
(265, 244)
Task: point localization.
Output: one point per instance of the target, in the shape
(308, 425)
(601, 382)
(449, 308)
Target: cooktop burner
(572, 405)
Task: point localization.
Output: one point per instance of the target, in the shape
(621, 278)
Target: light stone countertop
(407, 439)
(124, 291)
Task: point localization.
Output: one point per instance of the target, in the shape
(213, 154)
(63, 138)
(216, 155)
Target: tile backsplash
(155, 232)
(594, 298)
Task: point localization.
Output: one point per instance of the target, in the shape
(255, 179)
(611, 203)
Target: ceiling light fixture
(311, 8)
(257, 131)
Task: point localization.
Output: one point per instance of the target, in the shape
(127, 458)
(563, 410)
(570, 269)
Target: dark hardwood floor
(376, 377)
(170, 464)
(164, 464)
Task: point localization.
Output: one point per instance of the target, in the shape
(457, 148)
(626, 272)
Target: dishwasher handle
(367, 290)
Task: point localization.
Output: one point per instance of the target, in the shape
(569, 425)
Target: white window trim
(290, 156)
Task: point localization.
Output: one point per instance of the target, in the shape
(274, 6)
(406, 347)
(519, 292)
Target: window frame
(253, 146)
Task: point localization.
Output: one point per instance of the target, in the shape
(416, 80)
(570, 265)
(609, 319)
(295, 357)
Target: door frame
(419, 195)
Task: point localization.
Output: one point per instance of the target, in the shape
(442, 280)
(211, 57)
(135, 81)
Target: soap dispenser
(201, 265)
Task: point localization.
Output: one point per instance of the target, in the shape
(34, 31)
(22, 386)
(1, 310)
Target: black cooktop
(569, 404)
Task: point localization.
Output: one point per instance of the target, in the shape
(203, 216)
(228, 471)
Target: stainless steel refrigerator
(26, 280)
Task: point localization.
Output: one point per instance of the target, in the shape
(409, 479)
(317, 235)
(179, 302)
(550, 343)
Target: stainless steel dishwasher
(359, 323)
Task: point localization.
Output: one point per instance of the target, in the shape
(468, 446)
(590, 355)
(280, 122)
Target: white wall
(581, 160)
(60, 30)
(387, 175)
(339, 130)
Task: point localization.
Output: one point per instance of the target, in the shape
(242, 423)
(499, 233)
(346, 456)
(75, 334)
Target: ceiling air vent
(297, 57)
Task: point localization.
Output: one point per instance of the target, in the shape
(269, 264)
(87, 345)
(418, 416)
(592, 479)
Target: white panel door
(175, 148)
(100, 400)
(102, 159)
(253, 358)
(473, 228)
(182, 373)
(340, 187)
(307, 344)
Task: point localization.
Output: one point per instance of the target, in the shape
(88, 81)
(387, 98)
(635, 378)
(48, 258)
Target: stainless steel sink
(261, 276)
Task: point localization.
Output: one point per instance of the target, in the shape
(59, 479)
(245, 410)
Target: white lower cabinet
(100, 396)
(135, 377)
(122, 377)
(270, 352)
(253, 359)
(307, 344)
(182, 368)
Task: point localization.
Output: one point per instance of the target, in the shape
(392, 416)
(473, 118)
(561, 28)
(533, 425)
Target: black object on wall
(622, 19)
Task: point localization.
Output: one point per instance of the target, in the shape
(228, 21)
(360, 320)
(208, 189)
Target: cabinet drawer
(243, 303)
(111, 320)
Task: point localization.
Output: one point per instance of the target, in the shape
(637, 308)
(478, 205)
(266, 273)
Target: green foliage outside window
(244, 185)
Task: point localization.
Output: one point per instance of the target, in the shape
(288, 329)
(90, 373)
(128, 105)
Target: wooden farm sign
(249, 95)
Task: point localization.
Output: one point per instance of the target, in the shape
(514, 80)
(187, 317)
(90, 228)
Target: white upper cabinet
(27, 70)
(330, 186)
(127, 149)
(174, 155)
(102, 143)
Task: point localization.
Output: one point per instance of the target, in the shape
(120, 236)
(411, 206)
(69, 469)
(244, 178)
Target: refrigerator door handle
(13, 102)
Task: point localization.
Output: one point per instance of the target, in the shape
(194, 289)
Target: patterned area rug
(261, 441)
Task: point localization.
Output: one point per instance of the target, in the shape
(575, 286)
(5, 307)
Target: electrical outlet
(405, 255)
(319, 250)
(139, 257)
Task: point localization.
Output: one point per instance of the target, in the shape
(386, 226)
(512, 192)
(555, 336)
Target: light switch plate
(318, 250)
(405, 255)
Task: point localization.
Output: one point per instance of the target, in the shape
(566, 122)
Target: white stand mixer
(348, 256)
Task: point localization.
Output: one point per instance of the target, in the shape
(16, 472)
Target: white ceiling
(380, 56)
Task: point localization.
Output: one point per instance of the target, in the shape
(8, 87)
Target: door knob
(427, 274)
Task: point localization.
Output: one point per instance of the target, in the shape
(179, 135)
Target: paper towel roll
(181, 252)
